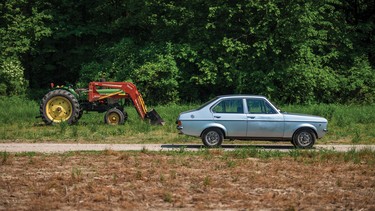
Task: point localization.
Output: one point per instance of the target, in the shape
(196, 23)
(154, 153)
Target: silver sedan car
(249, 117)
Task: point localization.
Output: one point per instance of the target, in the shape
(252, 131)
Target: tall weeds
(347, 124)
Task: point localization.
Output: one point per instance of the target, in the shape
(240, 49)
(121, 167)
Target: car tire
(212, 137)
(304, 138)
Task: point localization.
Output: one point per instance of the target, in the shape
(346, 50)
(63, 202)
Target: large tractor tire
(59, 106)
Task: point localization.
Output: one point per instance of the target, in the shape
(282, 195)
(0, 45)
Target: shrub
(359, 84)
(158, 80)
(12, 77)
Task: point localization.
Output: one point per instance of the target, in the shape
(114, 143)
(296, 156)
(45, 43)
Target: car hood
(303, 117)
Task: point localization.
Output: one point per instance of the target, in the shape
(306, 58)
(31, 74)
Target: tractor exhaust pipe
(155, 118)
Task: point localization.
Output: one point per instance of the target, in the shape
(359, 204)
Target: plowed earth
(126, 180)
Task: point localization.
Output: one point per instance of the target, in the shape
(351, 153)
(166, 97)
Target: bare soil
(127, 180)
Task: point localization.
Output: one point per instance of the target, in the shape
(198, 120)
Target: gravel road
(60, 148)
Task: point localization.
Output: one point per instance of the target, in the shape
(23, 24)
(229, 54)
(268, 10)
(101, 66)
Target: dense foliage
(291, 51)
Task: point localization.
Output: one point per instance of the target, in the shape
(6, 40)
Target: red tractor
(66, 104)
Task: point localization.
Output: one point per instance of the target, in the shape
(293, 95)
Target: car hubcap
(212, 138)
(304, 139)
(59, 109)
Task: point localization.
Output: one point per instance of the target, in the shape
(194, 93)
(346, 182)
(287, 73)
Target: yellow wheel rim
(113, 118)
(59, 109)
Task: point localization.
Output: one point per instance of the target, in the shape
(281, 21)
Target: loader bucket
(155, 118)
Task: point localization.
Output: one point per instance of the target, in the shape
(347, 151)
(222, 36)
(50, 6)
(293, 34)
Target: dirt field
(127, 180)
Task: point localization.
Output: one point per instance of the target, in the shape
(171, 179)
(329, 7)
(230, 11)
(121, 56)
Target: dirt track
(59, 148)
(115, 180)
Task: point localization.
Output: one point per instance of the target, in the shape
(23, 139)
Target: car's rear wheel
(212, 137)
(304, 138)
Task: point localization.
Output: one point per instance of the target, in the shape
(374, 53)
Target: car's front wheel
(212, 137)
(304, 138)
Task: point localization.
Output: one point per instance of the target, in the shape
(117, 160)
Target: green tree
(157, 80)
(12, 79)
(292, 51)
(22, 26)
(152, 68)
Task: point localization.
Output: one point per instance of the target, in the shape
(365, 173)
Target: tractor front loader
(68, 104)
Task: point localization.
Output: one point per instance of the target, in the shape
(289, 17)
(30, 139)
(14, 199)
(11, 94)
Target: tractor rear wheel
(115, 116)
(59, 106)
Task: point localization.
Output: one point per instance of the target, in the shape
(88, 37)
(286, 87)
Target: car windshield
(279, 109)
(206, 103)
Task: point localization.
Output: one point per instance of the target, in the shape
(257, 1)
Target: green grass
(352, 124)
(230, 158)
(18, 124)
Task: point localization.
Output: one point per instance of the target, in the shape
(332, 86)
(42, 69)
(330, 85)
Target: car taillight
(179, 123)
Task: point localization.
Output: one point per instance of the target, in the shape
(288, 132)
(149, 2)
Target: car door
(230, 113)
(263, 120)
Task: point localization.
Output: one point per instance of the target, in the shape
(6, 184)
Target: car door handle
(251, 117)
(217, 117)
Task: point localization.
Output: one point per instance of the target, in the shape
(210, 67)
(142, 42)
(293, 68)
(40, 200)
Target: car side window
(259, 106)
(229, 106)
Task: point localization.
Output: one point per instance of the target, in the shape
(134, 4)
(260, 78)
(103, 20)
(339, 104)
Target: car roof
(239, 96)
